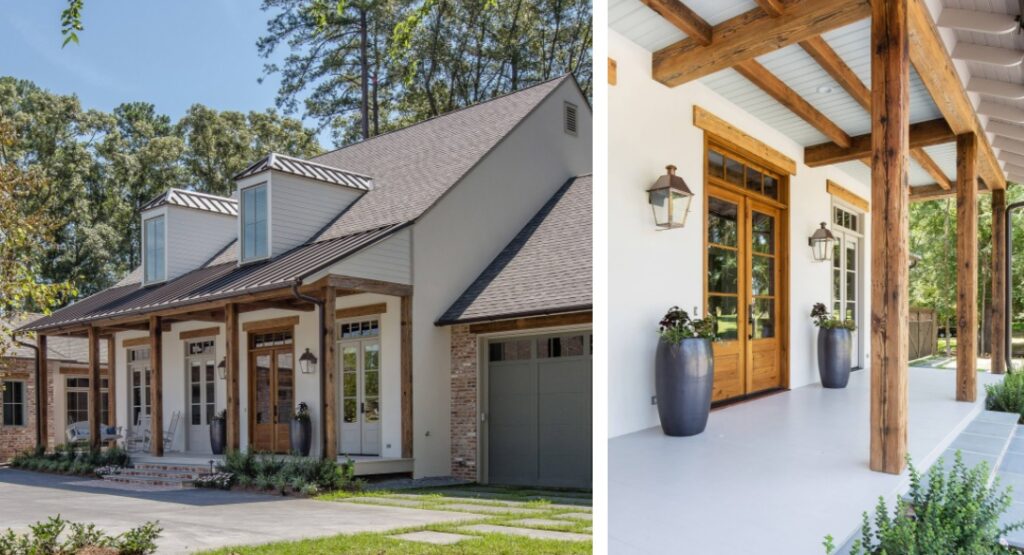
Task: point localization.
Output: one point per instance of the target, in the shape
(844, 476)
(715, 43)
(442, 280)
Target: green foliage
(301, 412)
(57, 536)
(677, 325)
(67, 459)
(71, 21)
(823, 319)
(955, 513)
(266, 471)
(1007, 395)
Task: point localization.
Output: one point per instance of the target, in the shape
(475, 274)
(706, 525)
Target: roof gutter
(40, 390)
(322, 326)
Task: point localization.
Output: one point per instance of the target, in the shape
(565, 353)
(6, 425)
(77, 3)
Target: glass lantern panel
(680, 208)
(659, 203)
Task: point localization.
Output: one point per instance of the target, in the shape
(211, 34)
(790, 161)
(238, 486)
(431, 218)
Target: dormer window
(255, 223)
(154, 250)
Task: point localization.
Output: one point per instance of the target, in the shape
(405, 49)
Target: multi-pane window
(14, 403)
(153, 237)
(272, 339)
(138, 368)
(846, 219)
(368, 328)
(723, 167)
(255, 223)
(77, 400)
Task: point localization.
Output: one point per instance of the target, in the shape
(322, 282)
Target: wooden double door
(743, 291)
(272, 379)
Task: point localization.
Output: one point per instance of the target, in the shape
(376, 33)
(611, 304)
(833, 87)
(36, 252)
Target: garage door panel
(565, 415)
(513, 422)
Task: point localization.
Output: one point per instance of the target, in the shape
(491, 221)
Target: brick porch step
(170, 476)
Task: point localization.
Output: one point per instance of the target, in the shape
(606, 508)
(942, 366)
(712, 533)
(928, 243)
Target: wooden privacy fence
(923, 332)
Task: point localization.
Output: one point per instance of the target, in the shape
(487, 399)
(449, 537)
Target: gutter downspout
(322, 325)
(1008, 339)
(40, 391)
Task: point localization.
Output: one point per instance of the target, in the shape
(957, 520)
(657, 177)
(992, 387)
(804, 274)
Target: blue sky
(172, 53)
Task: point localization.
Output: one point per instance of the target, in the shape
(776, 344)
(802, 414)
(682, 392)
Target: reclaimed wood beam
(775, 88)
(231, 366)
(923, 193)
(890, 299)
(111, 381)
(966, 268)
(94, 389)
(753, 34)
(330, 393)
(998, 347)
(156, 387)
(773, 8)
(925, 133)
(935, 68)
(929, 165)
(685, 19)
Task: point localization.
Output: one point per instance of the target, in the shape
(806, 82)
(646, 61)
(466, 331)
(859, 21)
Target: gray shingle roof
(546, 269)
(196, 200)
(414, 166)
(304, 168)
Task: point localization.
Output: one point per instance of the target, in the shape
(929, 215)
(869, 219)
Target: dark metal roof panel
(192, 199)
(311, 170)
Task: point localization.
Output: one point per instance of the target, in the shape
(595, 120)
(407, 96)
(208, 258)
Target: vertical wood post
(406, 377)
(156, 387)
(329, 369)
(111, 382)
(231, 374)
(42, 392)
(890, 257)
(999, 323)
(966, 267)
(94, 389)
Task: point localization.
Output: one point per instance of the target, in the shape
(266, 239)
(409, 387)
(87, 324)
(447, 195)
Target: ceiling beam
(774, 87)
(921, 193)
(933, 169)
(773, 8)
(935, 68)
(753, 34)
(922, 134)
(685, 19)
(980, 22)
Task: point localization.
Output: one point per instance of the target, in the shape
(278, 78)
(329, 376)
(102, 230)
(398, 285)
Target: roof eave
(514, 315)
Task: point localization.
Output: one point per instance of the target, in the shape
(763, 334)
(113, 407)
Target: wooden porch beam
(889, 329)
(406, 376)
(933, 169)
(111, 381)
(966, 267)
(42, 389)
(685, 19)
(922, 134)
(999, 323)
(365, 285)
(773, 8)
(94, 389)
(231, 367)
(330, 370)
(775, 88)
(156, 387)
(924, 193)
(935, 68)
(753, 34)
(282, 304)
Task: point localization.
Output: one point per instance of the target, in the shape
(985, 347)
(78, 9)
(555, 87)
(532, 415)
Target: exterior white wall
(650, 126)
(456, 239)
(389, 260)
(194, 237)
(301, 207)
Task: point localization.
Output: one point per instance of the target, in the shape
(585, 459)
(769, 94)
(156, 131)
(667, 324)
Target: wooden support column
(231, 375)
(42, 393)
(330, 376)
(966, 267)
(111, 382)
(890, 145)
(406, 376)
(156, 387)
(999, 354)
(94, 389)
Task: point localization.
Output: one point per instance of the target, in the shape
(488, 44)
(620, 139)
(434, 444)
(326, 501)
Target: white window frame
(104, 390)
(242, 259)
(860, 349)
(23, 404)
(145, 254)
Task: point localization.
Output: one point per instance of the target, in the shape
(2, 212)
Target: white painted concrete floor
(773, 475)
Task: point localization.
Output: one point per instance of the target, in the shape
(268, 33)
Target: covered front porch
(782, 471)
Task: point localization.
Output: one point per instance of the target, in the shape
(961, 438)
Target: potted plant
(301, 431)
(834, 345)
(684, 372)
(219, 432)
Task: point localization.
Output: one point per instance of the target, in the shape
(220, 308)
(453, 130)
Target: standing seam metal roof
(305, 168)
(193, 199)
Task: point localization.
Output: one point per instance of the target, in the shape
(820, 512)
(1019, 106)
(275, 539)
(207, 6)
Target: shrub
(266, 471)
(1008, 395)
(954, 513)
(50, 538)
(67, 459)
(219, 480)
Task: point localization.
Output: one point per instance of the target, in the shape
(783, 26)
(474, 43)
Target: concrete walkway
(198, 519)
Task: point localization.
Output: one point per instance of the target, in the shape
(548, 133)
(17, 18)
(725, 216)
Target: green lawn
(440, 499)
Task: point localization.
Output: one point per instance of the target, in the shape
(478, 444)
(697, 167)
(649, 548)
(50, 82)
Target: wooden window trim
(283, 322)
(751, 148)
(718, 144)
(212, 331)
(363, 310)
(847, 196)
(136, 342)
(534, 322)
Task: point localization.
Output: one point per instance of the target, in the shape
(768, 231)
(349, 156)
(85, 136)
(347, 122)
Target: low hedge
(67, 459)
(284, 475)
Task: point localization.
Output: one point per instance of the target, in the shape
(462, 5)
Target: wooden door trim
(272, 351)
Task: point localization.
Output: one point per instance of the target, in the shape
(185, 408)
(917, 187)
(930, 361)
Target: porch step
(169, 476)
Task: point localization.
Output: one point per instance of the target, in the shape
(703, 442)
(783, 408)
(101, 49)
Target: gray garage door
(538, 415)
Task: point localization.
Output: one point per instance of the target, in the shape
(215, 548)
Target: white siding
(301, 207)
(194, 237)
(389, 260)
(456, 239)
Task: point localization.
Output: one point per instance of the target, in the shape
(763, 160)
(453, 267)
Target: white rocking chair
(138, 439)
(169, 433)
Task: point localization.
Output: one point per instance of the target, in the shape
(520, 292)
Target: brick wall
(14, 439)
(464, 410)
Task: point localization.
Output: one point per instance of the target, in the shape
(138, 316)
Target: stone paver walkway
(527, 532)
(429, 536)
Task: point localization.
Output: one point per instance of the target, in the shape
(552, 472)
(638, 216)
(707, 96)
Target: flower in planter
(825, 320)
(677, 325)
(301, 412)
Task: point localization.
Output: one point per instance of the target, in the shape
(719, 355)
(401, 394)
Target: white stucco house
(426, 292)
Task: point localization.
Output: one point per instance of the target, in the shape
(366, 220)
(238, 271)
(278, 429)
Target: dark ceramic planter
(218, 435)
(684, 373)
(301, 436)
(834, 347)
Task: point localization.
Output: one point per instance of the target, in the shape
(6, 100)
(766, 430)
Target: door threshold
(746, 398)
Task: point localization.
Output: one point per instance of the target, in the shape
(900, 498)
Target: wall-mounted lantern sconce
(307, 362)
(821, 243)
(222, 369)
(670, 199)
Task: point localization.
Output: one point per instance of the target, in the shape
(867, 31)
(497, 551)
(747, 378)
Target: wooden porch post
(231, 371)
(999, 353)
(890, 131)
(406, 376)
(966, 267)
(94, 389)
(156, 387)
(42, 392)
(330, 393)
(111, 382)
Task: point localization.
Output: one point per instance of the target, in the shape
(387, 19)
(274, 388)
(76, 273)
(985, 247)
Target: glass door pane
(762, 275)
(350, 383)
(264, 407)
(371, 382)
(285, 388)
(723, 266)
